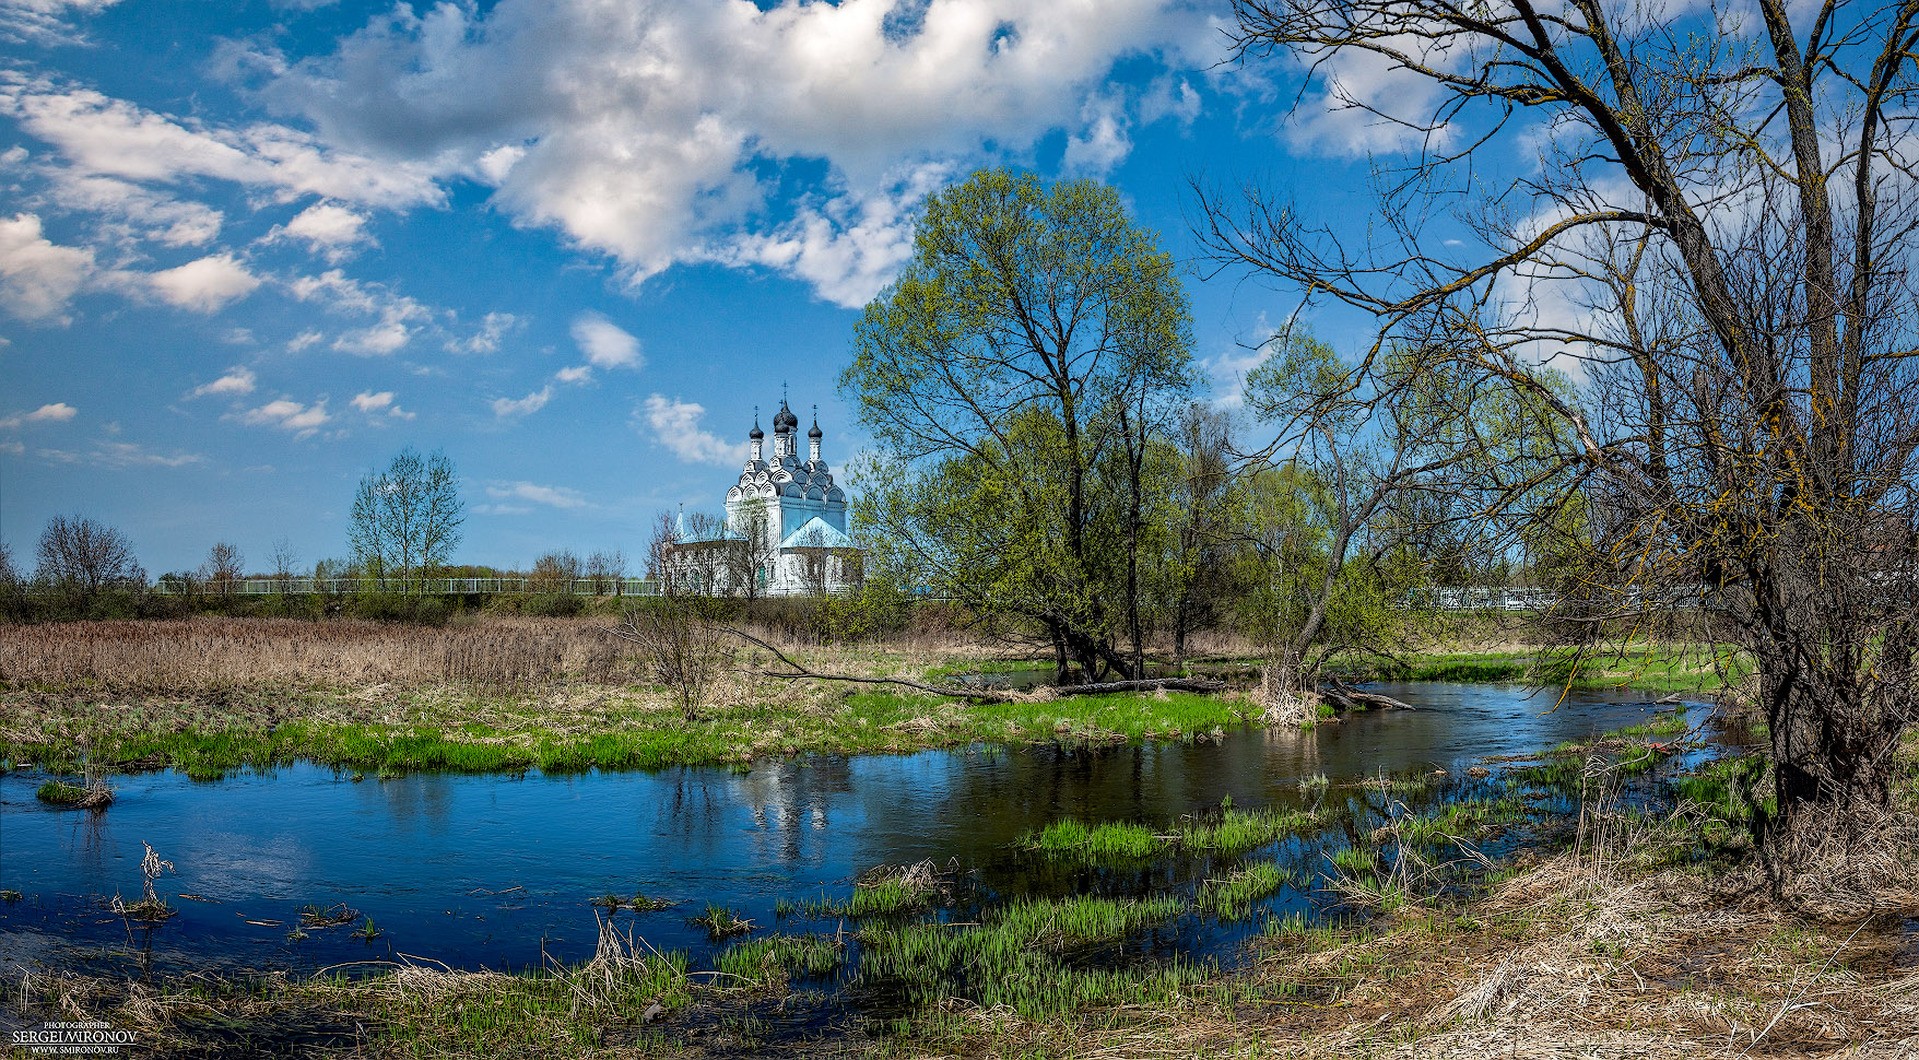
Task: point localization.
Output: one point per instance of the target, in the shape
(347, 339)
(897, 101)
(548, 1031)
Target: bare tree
(83, 557)
(679, 636)
(606, 569)
(750, 551)
(1725, 204)
(555, 573)
(285, 561)
(223, 566)
(406, 519)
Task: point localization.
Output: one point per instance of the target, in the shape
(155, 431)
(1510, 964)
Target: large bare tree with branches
(1714, 244)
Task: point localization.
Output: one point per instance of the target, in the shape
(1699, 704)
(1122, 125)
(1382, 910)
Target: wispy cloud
(507, 408)
(58, 412)
(551, 496)
(380, 404)
(238, 380)
(287, 415)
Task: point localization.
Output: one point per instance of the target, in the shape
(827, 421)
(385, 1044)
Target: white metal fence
(307, 586)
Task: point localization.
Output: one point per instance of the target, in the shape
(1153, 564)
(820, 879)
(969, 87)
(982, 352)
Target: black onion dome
(816, 434)
(784, 422)
(756, 434)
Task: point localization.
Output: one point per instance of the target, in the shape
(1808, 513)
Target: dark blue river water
(498, 871)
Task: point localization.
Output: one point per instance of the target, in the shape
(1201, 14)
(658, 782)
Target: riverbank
(208, 696)
(1617, 933)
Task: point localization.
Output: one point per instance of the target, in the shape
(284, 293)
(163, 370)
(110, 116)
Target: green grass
(535, 1014)
(1018, 957)
(721, 922)
(446, 739)
(888, 897)
(60, 793)
(1232, 897)
(1646, 667)
(776, 959)
(1228, 833)
(1467, 819)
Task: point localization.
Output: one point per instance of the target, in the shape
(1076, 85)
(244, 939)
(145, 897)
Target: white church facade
(785, 529)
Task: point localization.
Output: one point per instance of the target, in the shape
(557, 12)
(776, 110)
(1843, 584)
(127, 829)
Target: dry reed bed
(211, 654)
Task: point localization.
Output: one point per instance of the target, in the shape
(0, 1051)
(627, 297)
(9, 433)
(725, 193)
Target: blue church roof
(817, 533)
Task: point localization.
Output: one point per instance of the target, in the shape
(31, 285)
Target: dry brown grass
(201, 655)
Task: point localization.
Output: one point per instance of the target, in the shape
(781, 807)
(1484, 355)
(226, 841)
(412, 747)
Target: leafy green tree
(1035, 333)
(406, 520)
(1367, 479)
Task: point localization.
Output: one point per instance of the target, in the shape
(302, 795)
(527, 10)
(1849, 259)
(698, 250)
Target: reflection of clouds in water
(228, 865)
(26, 951)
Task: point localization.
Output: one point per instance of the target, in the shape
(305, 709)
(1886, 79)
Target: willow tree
(1715, 241)
(1036, 333)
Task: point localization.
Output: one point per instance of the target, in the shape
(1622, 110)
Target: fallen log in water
(1349, 698)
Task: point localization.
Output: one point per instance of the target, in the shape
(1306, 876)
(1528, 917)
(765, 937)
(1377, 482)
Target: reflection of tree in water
(791, 803)
(427, 796)
(786, 800)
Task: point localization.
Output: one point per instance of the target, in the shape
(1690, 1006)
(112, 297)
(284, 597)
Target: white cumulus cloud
(204, 285)
(98, 135)
(327, 228)
(606, 344)
(676, 425)
(37, 276)
(48, 22)
(641, 129)
(380, 404)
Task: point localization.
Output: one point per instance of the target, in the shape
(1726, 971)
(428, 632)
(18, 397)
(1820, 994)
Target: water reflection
(494, 871)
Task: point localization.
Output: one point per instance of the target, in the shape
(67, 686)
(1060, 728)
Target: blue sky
(250, 250)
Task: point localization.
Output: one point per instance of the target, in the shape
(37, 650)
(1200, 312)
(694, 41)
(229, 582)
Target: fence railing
(308, 586)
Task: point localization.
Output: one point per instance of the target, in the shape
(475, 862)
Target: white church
(785, 526)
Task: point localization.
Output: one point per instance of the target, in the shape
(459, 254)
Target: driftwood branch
(1352, 698)
(796, 672)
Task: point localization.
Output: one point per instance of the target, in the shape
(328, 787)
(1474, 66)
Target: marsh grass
(774, 961)
(1652, 667)
(315, 915)
(210, 697)
(1018, 957)
(1224, 833)
(1231, 897)
(721, 922)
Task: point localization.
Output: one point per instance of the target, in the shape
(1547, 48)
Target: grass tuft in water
(721, 922)
(1232, 897)
(1228, 833)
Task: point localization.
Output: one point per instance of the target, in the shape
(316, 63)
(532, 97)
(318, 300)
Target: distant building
(785, 528)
